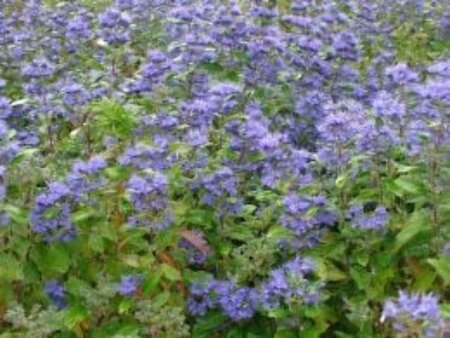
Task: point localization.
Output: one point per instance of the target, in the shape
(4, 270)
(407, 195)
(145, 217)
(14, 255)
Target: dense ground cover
(212, 168)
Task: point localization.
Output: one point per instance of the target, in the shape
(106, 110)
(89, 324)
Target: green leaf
(75, 315)
(403, 169)
(361, 277)
(311, 332)
(170, 272)
(200, 217)
(208, 323)
(442, 266)
(116, 173)
(24, 154)
(125, 305)
(279, 313)
(10, 268)
(282, 333)
(127, 331)
(424, 279)
(83, 214)
(406, 184)
(327, 271)
(96, 243)
(151, 282)
(417, 224)
(52, 261)
(362, 257)
(161, 299)
(235, 332)
(77, 287)
(17, 215)
(341, 180)
(445, 310)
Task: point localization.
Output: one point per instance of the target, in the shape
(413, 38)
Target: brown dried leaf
(195, 239)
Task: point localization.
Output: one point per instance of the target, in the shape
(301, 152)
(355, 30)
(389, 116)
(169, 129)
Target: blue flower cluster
(51, 215)
(288, 284)
(306, 217)
(375, 221)
(149, 197)
(414, 314)
(224, 138)
(221, 191)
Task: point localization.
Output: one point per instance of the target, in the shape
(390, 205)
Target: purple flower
(387, 107)
(142, 156)
(38, 68)
(114, 26)
(441, 68)
(84, 177)
(289, 283)
(56, 292)
(437, 91)
(412, 311)
(305, 225)
(75, 95)
(196, 256)
(346, 46)
(149, 197)
(221, 190)
(401, 74)
(148, 193)
(197, 137)
(128, 285)
(94, 165)
(446, 250)
(5, 108)
(274, 289)
(77, 29)
(238, 303)
(51, 215)
(200, 300)
(374, 221)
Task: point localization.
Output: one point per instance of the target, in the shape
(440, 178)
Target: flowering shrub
(209, 168)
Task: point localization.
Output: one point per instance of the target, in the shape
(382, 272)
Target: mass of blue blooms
(224, 168)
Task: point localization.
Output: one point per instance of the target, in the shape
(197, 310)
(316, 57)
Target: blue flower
(374, 221)
(238, 303)
(414, 310)
(128, 285)
(56, 292)
(306, 225)
(200, 300)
